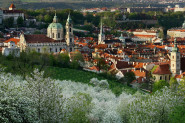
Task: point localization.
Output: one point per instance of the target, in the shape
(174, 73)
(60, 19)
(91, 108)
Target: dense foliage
(43, 99)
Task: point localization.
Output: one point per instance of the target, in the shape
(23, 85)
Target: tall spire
(55, 19)
(69, 20)
(101, 28)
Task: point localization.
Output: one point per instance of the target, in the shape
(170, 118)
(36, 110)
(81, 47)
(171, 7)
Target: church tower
(55, 30)
(12, 7)
(175, 59)
(101, 36)
(69, 34)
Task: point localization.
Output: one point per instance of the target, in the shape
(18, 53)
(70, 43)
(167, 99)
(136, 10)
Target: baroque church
(53, 42)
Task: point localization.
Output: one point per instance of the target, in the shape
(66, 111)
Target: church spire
(69, 20)
(101, 27)
(55, 19)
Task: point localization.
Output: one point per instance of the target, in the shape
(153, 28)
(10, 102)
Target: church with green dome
(53, 42)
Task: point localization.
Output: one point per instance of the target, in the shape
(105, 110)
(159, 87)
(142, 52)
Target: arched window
(58, 35)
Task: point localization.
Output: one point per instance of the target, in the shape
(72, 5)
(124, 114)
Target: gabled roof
(123, 64)
(12, 39)
(40, 39)
(12, 6)
(162, 69)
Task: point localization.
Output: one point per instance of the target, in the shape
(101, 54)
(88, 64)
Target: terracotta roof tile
(162, 69)
(12, 39)
(40, 39)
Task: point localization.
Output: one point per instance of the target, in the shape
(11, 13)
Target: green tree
(8, 22)
(181, 87)
(48, 18)
(20, 21)
(178, 115)
(173, 83)
(1, 35)
(159, 85)
(129, 77)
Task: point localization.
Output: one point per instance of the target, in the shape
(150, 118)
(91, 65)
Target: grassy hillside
(85, 77)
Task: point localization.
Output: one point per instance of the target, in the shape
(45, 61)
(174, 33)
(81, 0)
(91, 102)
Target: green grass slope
(85, 77)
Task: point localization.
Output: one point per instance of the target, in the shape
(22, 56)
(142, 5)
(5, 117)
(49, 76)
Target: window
(173, 65)
(177, 57)
(70, 49)
(50, 50)
(58, 35)
(160, 77)
(39, 50)
(165, 78)
(70, 40)
(53, 35)
(69, 29)
(169, 77)
(56, 49)
(60, 49)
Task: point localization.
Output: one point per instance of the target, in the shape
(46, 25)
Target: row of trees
(9, 22)
(27, 61)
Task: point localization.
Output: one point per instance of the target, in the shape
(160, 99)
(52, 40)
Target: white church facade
(53, 42)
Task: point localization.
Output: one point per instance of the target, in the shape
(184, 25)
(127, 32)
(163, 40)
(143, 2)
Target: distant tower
(101, 36)
(55, 29)
(12, 7)
(175, 59)
(69, 34)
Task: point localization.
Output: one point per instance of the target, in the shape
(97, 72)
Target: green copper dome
(121, 37)
(55, 24)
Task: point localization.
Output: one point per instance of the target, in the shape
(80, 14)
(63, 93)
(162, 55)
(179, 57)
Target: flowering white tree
(47, 97)
(154, 108)
(15, 107)
(39, 99)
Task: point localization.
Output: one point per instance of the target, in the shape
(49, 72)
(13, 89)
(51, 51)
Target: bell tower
(69, 34)
(101, 36)
(175, 59)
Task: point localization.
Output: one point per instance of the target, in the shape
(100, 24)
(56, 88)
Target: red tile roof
(162, 69)
(101, 46)
(123, 64)
(12, 39)
(12, 6)
(40, 39)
